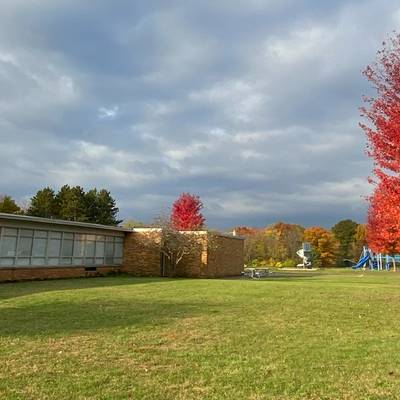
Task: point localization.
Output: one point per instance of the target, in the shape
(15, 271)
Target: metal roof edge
(28, 218)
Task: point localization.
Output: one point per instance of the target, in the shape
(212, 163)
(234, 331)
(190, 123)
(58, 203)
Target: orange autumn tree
(383, 133)
(324, 246)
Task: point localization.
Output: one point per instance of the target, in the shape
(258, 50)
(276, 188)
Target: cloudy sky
(252, 104)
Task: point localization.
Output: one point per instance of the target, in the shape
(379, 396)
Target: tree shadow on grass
(57, 318)
(293, 275)
(283, 276)
(10, 290)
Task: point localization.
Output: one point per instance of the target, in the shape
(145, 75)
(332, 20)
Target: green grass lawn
(325, 335)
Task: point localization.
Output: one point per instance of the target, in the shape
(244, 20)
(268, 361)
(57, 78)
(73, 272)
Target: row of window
(21, 247)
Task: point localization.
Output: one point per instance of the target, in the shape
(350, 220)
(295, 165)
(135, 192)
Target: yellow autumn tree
(324, 246)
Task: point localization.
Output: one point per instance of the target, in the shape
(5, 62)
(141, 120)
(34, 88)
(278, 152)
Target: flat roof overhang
(25, 219)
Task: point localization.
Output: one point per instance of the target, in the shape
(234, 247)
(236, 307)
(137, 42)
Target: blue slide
(362, 261)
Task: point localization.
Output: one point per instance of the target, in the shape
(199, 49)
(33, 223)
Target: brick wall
(21, 274)
(216, 256)
(142, 254)
(194, 265)
(225, 257)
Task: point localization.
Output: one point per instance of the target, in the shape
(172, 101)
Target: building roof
(26, 218)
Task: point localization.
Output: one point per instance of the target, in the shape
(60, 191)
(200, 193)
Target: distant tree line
(69, 203)
(277, 244)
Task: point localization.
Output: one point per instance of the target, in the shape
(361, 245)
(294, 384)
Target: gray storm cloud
(252, 105)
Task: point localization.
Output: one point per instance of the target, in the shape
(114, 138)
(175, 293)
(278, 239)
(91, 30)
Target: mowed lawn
(326, 335)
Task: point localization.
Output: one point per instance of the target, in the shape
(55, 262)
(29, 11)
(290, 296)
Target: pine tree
(43, 204)
(71, 204)
(101, 207)
(8, 205)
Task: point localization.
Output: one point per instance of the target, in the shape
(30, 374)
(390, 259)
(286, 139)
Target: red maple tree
(383, 111)
(383, 225)
(383, 134)
(186, 213)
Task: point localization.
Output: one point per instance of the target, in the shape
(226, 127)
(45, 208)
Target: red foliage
(383, 111)
(383, 133)
(186, 215)
(383, 226)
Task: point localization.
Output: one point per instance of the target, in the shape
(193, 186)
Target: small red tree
(186, 213)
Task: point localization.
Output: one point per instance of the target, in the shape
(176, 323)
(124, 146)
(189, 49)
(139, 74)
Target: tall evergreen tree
(344, 232)
(43, 204)
(8, 205)
(101, 207)
(71, 205)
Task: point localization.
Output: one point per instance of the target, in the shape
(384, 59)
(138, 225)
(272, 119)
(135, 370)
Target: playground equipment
(376, 261)
(305, 254)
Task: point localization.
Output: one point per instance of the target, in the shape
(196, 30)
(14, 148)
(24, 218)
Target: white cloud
(238, 99)
(108, 112)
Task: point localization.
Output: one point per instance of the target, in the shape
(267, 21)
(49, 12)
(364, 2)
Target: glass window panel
(67, 248)
(118, 250)
(41, 234)
(89, 261)
(24, 246)
(77, 261)
(117, 260)
(66, 261)
(79, 248)
(38, 261)
(89, 248)
(79, 236)
(10, 231)
(91, 237)
(99, 261)
(39, 247)
(8, 246)
(23, 261)
(54, 248)
(53, 261)
(26, 232)
(109, 260)
(100, 237)
(119, 240)
(99, 249)
(6, 261)
(68, 235)
(109, 249)
(55, 235)
(110, 238)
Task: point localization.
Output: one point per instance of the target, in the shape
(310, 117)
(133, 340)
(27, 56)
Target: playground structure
(305, 254)
(376, 261)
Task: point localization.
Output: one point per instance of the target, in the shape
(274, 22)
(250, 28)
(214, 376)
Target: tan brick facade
(216, 256)
(142, 253)
(226, 258)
